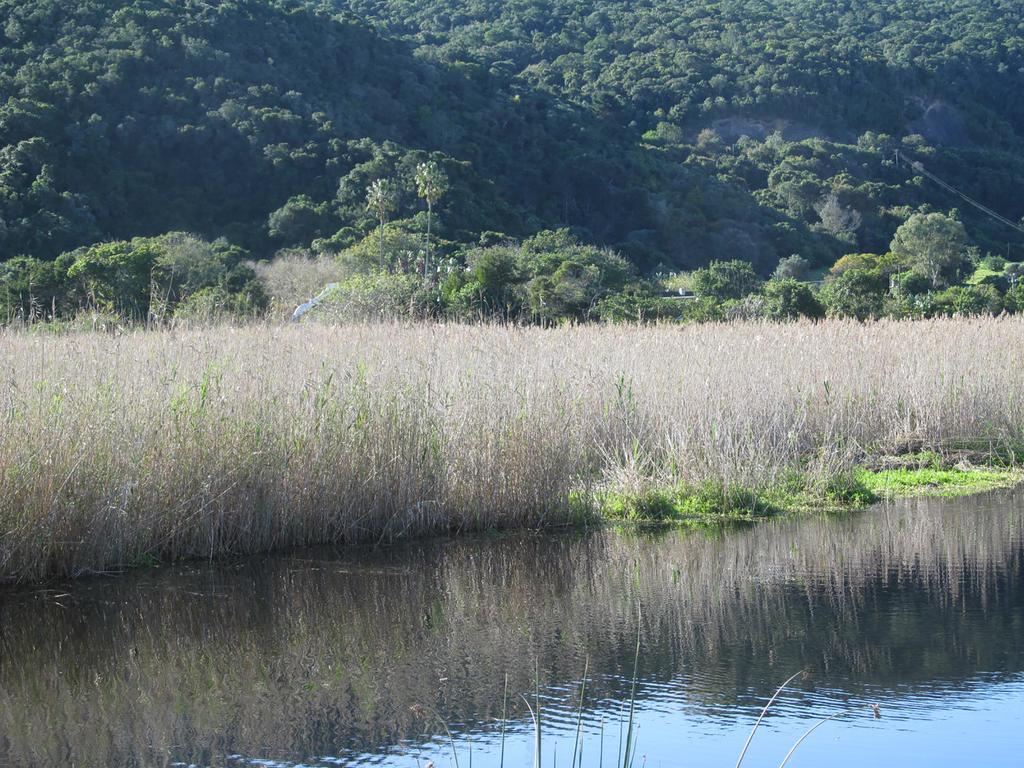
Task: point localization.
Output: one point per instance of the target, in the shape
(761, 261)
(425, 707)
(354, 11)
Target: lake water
(338, 658)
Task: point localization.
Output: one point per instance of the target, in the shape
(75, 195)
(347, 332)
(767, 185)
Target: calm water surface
(331, 658)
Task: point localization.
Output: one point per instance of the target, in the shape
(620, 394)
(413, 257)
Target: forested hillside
(675, 132)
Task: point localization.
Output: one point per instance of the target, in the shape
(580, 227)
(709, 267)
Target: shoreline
(886, 479)
(894, 478)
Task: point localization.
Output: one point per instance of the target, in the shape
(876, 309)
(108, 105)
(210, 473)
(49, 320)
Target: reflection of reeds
(301, 655)
(119, 450)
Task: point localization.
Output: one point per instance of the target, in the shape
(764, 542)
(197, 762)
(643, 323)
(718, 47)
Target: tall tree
(836, 218)
(932, 244)
(380, 198)
(431, 184)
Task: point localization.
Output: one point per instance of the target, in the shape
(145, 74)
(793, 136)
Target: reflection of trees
(306, 654)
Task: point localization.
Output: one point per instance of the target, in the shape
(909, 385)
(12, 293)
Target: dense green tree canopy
(675, 132)
(538, 157)
(933, 244)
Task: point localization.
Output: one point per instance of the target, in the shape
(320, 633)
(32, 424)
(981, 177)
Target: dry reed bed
(205, 442)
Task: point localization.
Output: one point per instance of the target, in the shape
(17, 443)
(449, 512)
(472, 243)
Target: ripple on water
(341, 658)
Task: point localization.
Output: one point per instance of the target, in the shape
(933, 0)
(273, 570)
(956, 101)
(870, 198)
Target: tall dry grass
(294, 277)
(230, 440)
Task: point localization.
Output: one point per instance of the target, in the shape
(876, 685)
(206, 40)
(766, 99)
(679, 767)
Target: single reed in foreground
(119, 450)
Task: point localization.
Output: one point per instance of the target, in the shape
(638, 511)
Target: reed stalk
(120, 450)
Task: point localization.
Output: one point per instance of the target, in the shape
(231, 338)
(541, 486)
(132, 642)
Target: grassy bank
(710, 502)
(938, 481)
(116, 450)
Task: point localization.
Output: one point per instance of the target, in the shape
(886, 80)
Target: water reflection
(918, 606)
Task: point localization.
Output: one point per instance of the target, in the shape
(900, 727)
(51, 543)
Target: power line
(949, 187)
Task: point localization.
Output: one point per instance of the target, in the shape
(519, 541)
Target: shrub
(216, 303)
(854, 261)
(909, 283)
(295, 277)
(723, 280)
(933, 244)
(993, 262)
(1014, 298)
(116, 277)
(788, 299)
(795, 267)
(969, 300)
(857, 293)
(379, 296)
(639, 303)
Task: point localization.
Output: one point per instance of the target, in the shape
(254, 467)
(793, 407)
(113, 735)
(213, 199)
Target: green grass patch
(716, 503)
(799, 493)
(936, 481)
(981, 274)
(710, 503)
(706, 503)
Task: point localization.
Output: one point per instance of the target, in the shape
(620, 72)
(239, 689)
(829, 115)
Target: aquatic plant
(156, 446)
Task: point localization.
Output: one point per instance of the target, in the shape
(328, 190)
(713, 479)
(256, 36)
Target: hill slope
(676, 132)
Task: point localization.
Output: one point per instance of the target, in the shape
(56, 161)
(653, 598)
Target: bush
(752, 307)
(639, 303)
(723, 280)
(703, 310)
(116, 277)
(788, 299)
(494, 284)
(857, 293)
(993, 262)
(969, 300)
(853, 261)
(1013, 301)
(933, 244)
(402, 249)
(31, 289)
(794, 267)
(295, 277)
(379, 296)
(909, 283)
(217, 303)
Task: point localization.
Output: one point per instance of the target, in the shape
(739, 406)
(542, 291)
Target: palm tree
(431, 184)
(380, 198)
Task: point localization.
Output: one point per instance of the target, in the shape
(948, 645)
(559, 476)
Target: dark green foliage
(855, 293)
(794, 267)
(722, 280)
(116, 277)
(676, 134)
(32, 289)
(1014, 299)
(910, 283)
(640, 302)
(788, 299)
(933, 245)
(300, 221)
(968, 300)
(141, 279)
(550, 277)
(568, 279)
(496, 281)
(240, 117)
